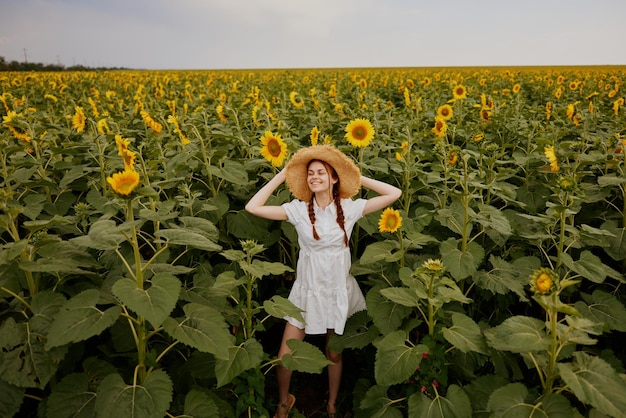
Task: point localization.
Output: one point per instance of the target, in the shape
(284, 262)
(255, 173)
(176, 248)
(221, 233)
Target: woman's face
(319, 178)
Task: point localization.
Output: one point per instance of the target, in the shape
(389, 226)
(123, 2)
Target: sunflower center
(544, 282)
(273, 147)
(392, 221)
(359, 133)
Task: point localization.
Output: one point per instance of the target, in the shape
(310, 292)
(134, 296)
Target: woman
(322, 179)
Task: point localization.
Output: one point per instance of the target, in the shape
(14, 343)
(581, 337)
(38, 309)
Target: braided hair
(336, 199)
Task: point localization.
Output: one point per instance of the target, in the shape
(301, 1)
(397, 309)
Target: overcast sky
(236, 34)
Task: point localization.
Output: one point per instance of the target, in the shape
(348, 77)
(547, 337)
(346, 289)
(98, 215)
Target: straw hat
(296, 171)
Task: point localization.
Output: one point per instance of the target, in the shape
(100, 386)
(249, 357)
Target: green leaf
(610, 180)
(260, 268)
(403, 296)
(510, 402)
(304, 357)
(201, 226)
(12, 250)
(187, 237)
(102, 235)
(387, 315)
(590, 267)
(615, 246)
(80, 319)
(481, 388)
(455, 405)
(244, 225)
(596, 383)
(465, 334)
(379, 251)
(395, 361)
(200, 405)
(71, 397)
(40, 224)
(604, 308)
(203, 328)
(461, 264)
(496, 224)
(358, 333)
(11, 398)
(117, 399)
(24, 360)
(453, 216)
(280, 307)
(377, 404)
(155, 303)
(242, 357)
(505, 277)
(232, 171)
(519, 334)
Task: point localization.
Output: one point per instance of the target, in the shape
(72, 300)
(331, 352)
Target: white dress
(324, 288)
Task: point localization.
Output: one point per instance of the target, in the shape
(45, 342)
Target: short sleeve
(353, 209)
(296, 211)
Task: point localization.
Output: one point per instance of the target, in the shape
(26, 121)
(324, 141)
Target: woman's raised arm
(256, 205)
(387, 194)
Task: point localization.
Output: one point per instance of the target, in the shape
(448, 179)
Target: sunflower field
(133, 282)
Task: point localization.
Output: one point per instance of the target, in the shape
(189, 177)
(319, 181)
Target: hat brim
(296, 171)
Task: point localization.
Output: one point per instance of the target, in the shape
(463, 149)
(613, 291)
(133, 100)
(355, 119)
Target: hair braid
(340, 217)
(312, 218)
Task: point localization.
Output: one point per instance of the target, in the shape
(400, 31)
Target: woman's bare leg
(283, 374)
(334, 374)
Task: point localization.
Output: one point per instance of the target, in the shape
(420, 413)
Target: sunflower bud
(543, 281)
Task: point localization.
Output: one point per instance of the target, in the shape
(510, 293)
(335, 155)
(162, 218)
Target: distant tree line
(38, 66)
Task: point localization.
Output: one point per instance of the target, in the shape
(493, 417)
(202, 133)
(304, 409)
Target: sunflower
(274, 148)
(484, 115)
(78, 120)
(459, 92)
(50, 97)
(174, 121)
(390, 220)
(543, 280)
(617, 104)
(122, 145)
(559, 92)
(548, 110)
(486, 104)
(150, 122)
(12, 119)
(129, 159)
(359, 132)
(407, 97)
(295, 99)
(124, 182)
(219, 109)
(551, 156)
(567, 183)
(315, 135)
(453, 157)
(479, 137)
(516, 88)
(440, 128)
(434, 265)
(444, 112)
(103, 126)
